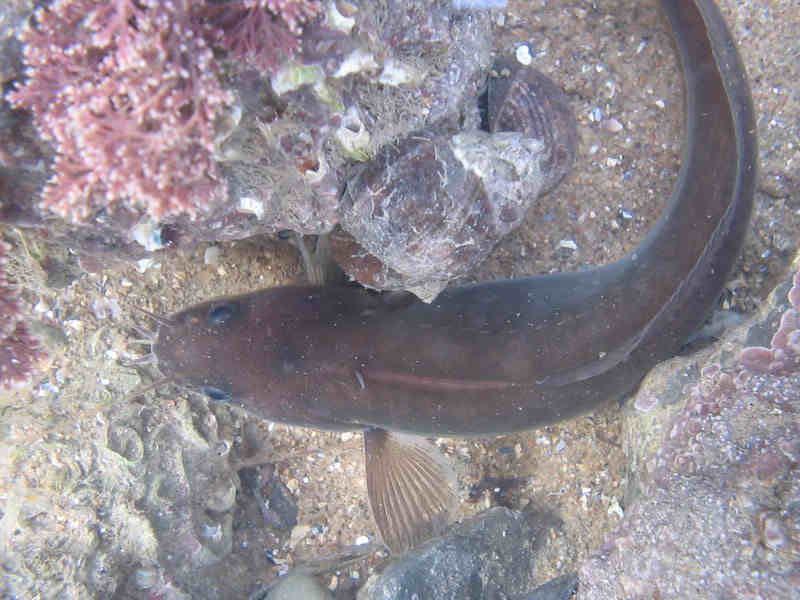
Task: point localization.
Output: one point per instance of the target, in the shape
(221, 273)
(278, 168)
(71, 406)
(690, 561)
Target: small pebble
(615, 509)
(298, 534)
(211, 255)
(611, 125)
(524, 55)
(74, 324)
(148, 234)
(143, 264)
(479, 4)
(298, 586)
(568, 244)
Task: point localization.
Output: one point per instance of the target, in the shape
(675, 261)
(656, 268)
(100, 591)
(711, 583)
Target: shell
(431, 207)
(523, 99)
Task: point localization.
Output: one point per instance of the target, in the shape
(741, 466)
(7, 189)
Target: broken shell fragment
(431, 207)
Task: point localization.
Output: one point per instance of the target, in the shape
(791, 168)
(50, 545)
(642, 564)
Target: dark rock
(489, 556)
(560, 588)
(281, 504)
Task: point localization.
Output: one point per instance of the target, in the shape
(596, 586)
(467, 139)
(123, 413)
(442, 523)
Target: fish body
(499, 356)
(505, 355)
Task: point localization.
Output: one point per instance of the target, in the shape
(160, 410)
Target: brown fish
(494, 357)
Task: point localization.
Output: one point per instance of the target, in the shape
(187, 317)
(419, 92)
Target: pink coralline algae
(19, 351)
(260, 32)
(128, 93)
(783, 355)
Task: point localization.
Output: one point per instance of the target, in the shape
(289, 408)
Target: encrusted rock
(715, 484)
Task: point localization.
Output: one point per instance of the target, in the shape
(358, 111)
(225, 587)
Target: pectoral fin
(411, 488)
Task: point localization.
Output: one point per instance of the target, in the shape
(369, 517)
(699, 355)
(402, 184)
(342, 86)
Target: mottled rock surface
(282, 146)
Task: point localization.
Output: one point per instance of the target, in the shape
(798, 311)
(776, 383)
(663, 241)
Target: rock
(298, 586)
(489, 556)
(560, 588)
(715, 489)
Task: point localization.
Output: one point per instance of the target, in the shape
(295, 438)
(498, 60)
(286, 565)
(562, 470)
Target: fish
(494, 357)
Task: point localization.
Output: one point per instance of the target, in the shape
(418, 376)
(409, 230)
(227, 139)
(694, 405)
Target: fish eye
(215, 393)
(222, 313)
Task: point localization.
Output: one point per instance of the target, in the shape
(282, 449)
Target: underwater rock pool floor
(106, 495)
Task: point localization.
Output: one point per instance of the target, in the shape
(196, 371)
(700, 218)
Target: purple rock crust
(718, 513)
